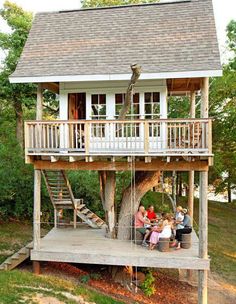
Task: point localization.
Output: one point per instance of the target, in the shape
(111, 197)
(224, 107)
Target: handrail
(146, 137)
(120, 121)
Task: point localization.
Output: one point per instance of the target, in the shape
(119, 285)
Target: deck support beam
(36, 267)
(191, 175)
(39, 105)
(203, 236)
(37, 209)
(203, 206)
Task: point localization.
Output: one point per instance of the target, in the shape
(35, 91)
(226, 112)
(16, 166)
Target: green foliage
(231, 34)
(85, 184)
(223, 110)
(85, 278)
(95, 276)
(101, 3)
(148, 285)
(12, 44)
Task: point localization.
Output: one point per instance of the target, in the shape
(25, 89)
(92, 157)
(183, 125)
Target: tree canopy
(223, 110)
(101, 3)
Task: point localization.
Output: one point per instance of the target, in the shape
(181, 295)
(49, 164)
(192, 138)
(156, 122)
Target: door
(76, 111)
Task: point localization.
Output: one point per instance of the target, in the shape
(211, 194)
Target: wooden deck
(86, 245)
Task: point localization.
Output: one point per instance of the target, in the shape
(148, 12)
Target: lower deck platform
(90, 246)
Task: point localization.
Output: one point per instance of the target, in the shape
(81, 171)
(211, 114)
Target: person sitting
(166, 226)
(154, 238)
(147, 219)
(139, 222)
(186, 229)
(179, 215)
(151, 214)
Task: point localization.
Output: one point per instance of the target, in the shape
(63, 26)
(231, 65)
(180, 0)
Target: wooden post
(203, 234)
(191, 173)
(203, 207)
(39, 105)
(205, 97)
(75, 217)
(37, 205)
(55, 218)
(36, 267)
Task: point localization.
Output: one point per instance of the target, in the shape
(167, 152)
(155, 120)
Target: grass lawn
(221, 231)
(23, 287)
(13, 236)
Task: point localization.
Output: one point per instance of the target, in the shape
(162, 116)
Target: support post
(55, 218)
(75, 217)
(36, 267)
(191, 173)
(39, 105)
(203, 234)
(37, 207)
(203, 207)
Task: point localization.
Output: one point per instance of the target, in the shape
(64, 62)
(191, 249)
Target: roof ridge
(124, 6)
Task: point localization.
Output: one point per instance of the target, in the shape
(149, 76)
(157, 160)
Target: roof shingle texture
(172, 37)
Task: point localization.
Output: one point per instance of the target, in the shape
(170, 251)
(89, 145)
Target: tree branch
(136, 69)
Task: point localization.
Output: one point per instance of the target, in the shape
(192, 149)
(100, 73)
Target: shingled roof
(163, 38)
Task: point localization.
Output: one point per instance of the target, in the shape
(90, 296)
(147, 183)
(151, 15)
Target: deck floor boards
(87, 245)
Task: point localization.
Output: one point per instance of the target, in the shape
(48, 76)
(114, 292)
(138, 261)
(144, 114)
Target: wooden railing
(113, 137)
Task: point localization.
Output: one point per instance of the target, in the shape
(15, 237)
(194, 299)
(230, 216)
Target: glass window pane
(136, 98)
(156, 97)
(147, 97)
(94, 99)
(118, 98)
(148, 108)
(102, 99)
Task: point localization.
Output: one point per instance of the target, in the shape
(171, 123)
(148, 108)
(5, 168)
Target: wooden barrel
(186, 241)
(163, 244)
(137, 237)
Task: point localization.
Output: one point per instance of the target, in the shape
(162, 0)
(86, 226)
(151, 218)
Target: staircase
(62, 197)
(17, 258)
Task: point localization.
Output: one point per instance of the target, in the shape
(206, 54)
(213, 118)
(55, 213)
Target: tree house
(84, 56)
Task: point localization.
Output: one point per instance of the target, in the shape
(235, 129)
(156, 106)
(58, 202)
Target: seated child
(154, 238)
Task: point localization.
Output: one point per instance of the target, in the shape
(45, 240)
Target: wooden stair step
(23, 251)
(30, 245)
(95, 219)
(63, 202)
(15, 256)
(84, 211)
(100, 223)
(80, 206)
(90, 215)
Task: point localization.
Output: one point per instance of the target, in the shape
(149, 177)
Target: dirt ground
(169, 290)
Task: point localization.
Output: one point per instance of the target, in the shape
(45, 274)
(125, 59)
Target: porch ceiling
(181, 86)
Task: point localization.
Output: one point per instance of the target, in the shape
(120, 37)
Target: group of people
(154, 227)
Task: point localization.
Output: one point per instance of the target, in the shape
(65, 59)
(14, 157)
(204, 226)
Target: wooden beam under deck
(155, 165)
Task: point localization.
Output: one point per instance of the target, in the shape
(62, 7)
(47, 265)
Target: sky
(225, 10)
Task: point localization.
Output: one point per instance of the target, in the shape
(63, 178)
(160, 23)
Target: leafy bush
(148, 285)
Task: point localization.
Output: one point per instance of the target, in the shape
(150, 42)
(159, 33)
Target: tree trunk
(19, 122)
(174, 189)
(143, 182)
(136, 69)
(107, 181)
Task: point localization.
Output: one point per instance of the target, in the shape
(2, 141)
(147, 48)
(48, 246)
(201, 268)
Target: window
(98, 106)
(134, 108)
(152, 105)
